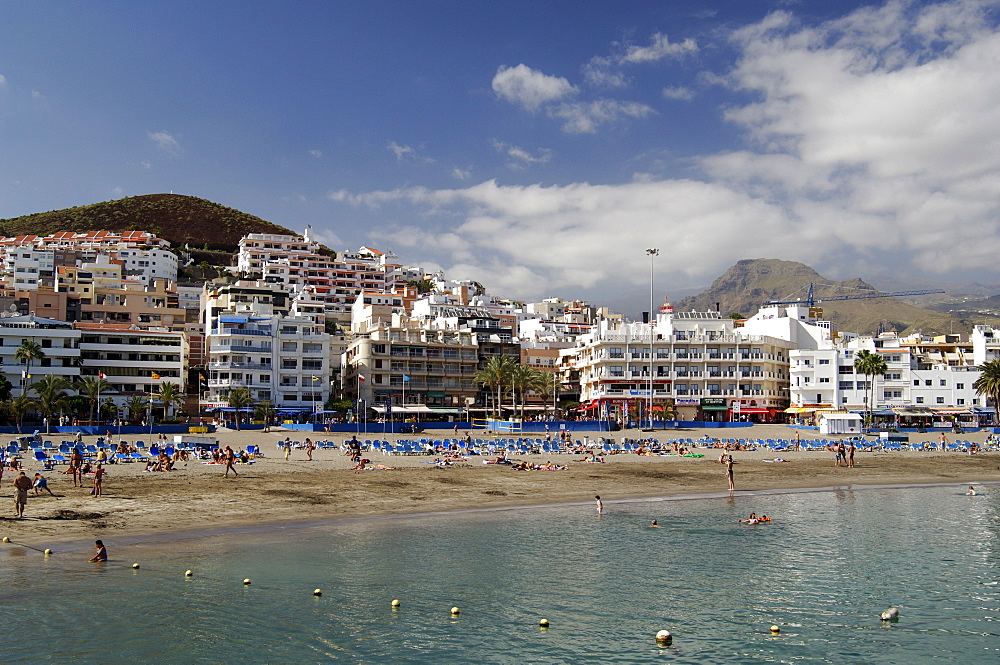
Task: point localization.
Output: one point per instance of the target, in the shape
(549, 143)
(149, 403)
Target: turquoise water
(823, 571)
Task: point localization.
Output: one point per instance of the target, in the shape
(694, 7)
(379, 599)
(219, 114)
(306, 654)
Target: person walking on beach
(75, 464)
(288, 448)
(21, 486)
(98, 480)
(310, 447)
(850, 454)
(102, 552)
(942, 441)
(230, 461)
(600, 504)
(729, 473)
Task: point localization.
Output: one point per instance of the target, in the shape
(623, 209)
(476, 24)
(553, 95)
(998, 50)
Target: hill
(748, 284)
(180, 219)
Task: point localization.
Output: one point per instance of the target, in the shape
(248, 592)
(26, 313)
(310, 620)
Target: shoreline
(176, 536)
(272, 494)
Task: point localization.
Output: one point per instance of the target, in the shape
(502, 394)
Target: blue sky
(538, 147)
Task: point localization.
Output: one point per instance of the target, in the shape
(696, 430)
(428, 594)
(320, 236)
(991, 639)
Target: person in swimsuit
(98, 481)
(102, 552)
(654, 525)
(75, 466)
(230, 461)
(600, 504)
(729, 473)
(972, 491)
(41, 484)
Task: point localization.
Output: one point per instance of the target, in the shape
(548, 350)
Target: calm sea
(823, 570)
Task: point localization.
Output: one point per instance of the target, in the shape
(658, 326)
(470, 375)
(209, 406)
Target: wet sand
(273, 491)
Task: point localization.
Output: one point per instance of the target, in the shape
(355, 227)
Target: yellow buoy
(664, 637)
(135, 565)
(188, 573)
(47, 551)
(455, 610)
(775, 629)
(246, 581)
(6, 539)
(317, 592)
(544, 623)
(396, 603)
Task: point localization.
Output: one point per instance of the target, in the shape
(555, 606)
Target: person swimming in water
(654, 525)
(972, 491)
(750, 520)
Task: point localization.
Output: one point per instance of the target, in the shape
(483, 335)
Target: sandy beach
(196, 496)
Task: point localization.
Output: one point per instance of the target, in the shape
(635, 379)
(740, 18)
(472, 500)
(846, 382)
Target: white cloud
(461, 174)
(146, 164)
(585, 117)
(3, 80)
(117, 192)
(678, 92)
(316, 153)
(605, 71)
(871, 140)
(165, 142)
(406, 153)
(519, 157)
(659, 48)
(528, 87)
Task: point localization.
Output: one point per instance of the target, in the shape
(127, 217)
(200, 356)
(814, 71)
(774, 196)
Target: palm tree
(239, 398)
(92, 388)
(136, 405)
(988, 384)
(26, 353)
(170, 394)
(495, 375)
(871, 365)
(51, 390)
(265, 411)
(19, 407)
(521, 379)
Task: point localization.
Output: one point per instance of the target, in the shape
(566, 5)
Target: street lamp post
(652, 252)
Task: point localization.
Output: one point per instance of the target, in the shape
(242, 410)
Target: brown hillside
(748, 284)
(175, 217)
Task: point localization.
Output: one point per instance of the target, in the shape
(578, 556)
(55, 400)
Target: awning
(951, 412)
(752, 410)
(715, 408)
(883, 412)
(911, 412)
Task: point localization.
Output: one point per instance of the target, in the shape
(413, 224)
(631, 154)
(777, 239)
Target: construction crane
(811, 300)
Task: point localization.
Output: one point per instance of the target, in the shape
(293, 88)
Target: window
(378, 348)
(959, 386)
(847, 385)
(916, 382)
(944, 382)
(939, 400)
(824, 361)
(920, 400)
(927, 382)
(960, 401)
(824, 379)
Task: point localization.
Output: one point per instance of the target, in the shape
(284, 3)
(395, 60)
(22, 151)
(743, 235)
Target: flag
(360, 378)
(100, 375)
(406, 378)
(315, 378)
(154, 376)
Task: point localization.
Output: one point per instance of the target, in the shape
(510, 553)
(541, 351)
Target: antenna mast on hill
(811, 299)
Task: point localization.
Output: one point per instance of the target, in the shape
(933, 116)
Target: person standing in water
(600, 504)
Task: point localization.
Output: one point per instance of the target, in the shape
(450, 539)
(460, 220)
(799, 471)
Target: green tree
(28, 352)
(265, 411)
(19, 407)
(5, 388)
(169, 394)
(495, 375)
(51, 390)
(988, 384)
(92, 387)
(136, 405)
(239, 398)
(871, 365)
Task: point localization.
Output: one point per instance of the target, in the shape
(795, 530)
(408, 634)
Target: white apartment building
(134, 361)
(696, 363)
(59, 341)
(253, 344)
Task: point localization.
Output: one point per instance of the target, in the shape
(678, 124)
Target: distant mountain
(748, 284)
(174, 217)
